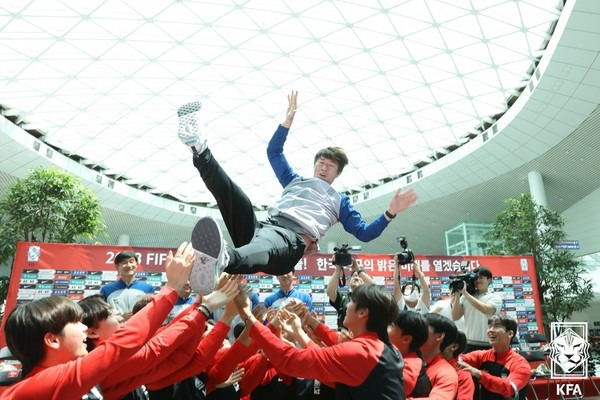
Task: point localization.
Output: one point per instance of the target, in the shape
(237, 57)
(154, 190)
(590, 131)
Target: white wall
(582, 222)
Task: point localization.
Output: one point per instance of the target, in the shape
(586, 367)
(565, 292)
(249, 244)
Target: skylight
(392, 82)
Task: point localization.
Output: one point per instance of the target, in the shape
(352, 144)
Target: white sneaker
(211, 257)
(189, 129)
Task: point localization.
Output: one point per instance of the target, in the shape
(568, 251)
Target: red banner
(77, 271)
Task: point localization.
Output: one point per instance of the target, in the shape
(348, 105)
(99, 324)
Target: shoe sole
(188, 122)
(189, 108)
(207, 240)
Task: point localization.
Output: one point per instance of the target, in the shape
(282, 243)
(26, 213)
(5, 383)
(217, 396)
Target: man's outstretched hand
(178, 266)
(292, 108)
(402, 200)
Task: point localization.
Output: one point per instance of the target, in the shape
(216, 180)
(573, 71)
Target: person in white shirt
(444, 307)
(476, 309)
(412, 296)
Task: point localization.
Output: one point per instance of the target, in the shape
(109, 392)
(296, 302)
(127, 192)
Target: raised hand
(402, 200)
(284, 317)
(178, 267)
(418, 271)
(291, 304)
(223, 278)
(235, 377)
(295, 322)
(296, 307)
(292, 108)
(228, 290)
(310, 319)
(274, 320)
(242, 301)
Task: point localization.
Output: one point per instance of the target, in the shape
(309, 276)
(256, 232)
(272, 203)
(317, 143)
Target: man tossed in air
(307, 208)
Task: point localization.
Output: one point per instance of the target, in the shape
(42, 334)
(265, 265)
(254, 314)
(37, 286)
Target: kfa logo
(569, 350)
(568, 389)
(569, 354)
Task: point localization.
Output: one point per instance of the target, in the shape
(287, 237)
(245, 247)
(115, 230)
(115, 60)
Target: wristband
(360, 271)
(389, 214)
(204, 310)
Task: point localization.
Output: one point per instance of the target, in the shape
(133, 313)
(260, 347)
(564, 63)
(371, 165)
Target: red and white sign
(77, 271)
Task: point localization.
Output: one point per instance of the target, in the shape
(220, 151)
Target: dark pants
(259, 246)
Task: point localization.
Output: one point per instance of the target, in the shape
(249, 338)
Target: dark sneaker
(209, 246)
(189, 129)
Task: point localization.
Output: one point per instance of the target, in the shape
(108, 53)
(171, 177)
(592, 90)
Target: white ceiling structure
(396, 83)
(417, 92)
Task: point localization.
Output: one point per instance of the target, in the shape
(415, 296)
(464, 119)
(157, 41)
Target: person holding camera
(337, 299)
(476, 308)
(410, 296)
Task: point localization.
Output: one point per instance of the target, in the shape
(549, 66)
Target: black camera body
(406, 256)
(342, 255)
(459, 281)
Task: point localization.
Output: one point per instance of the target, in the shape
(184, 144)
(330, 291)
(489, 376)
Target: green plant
(49, 205)
(4, 281)
(526, 228)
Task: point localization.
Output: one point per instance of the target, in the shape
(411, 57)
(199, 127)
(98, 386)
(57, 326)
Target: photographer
(409, 296)
(476, 309)
(337, 299)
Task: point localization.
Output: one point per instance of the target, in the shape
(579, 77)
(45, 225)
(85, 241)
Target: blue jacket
(123, 297)
(312, 203)
(277, 298)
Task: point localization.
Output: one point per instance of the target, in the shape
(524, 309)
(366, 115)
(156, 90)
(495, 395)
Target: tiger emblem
(569, 351)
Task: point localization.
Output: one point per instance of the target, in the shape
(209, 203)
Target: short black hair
(238, 329)
(124, 255)
(415, 284)
(441, 324)
(382, 307)
(95, 310)
(461, 341)
(504, 320)
(483, 271)
(336, 154)
(142, 302)
(414, 324)
(27, 325)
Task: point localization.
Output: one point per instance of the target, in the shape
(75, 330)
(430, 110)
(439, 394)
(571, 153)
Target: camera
(406, 256)
(465, 278)
(342, 255)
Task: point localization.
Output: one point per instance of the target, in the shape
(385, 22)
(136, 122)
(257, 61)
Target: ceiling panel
(103, 80)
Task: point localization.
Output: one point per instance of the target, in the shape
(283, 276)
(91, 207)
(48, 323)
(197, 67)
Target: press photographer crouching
(344, 259)
(476, 307)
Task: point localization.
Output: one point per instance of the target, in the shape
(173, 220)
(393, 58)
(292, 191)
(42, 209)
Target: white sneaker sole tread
(188, 123)
(207, 241)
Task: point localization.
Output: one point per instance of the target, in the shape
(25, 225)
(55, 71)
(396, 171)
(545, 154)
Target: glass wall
(467, 239)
